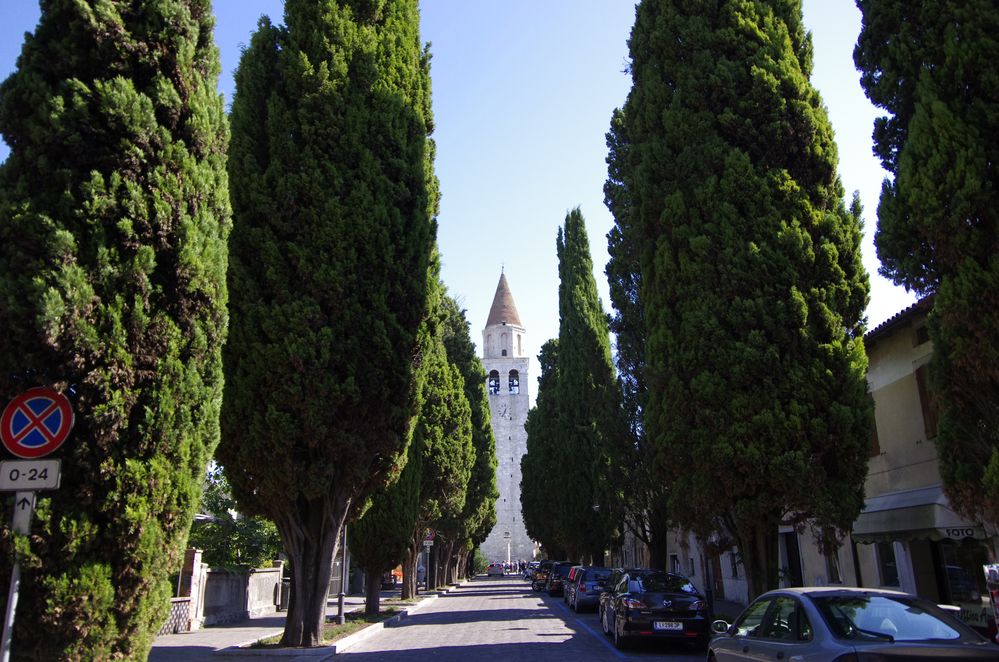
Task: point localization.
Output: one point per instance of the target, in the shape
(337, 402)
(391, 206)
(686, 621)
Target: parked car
(574, 572)
(540, 576)
(585, 588)
(495, 569)
(846, 624)
(654, 604)
(555, 582)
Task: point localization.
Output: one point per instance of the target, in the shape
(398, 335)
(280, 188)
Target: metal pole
(341, 616)
(24, 507)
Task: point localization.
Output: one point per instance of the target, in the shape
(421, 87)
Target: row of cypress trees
(122, 280)
(738, 287)
(736, 276)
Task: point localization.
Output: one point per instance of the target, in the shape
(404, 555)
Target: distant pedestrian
(421, 574)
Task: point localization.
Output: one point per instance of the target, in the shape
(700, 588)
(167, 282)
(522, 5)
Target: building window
(514, 382)
(927, 402)
(735, 564)
(887, 567)
(503, 353)
(692, 568)
(922, 335)
(493, 384)
(674, 563)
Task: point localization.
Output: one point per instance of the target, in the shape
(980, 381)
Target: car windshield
(665, 582)
(883, 617)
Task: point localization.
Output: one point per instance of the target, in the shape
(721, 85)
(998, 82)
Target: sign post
(33, 425)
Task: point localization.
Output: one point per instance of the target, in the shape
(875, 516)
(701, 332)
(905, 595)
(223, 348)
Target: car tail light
(698, 605)
(632, 603)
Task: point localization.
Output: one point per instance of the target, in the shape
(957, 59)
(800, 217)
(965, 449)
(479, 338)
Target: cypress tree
(333, 198)
(932, 67)
(479, 511)
(539, 494)
(751, 278)
(379, 540)
(588, 402)
(114, 215)
(443, 436)
(646, 511)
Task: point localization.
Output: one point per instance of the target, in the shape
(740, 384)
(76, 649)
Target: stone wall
(215, 596)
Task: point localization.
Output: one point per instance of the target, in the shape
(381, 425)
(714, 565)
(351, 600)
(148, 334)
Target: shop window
(962, 563)
(887, 566)
(927, 402)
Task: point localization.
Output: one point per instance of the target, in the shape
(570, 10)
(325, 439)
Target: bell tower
(505, 360)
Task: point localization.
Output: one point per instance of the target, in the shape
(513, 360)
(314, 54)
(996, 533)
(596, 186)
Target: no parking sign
(36, 423)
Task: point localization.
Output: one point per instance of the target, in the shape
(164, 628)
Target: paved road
(502, 619)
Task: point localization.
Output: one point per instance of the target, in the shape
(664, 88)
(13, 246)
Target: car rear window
(596, 575)
(882, 617)
(665, 582)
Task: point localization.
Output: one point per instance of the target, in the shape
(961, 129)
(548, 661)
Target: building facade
(505, 360)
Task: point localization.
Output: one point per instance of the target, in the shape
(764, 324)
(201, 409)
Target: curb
(325, 652)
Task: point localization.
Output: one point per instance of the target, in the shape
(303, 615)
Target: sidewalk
(200, 646)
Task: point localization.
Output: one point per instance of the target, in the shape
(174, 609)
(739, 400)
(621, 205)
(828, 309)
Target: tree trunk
(409, 572)
(372, 593)
(760, 558)
(448, 549)
(310, 534)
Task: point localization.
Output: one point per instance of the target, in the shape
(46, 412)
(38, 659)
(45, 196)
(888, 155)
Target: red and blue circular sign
(36, 422)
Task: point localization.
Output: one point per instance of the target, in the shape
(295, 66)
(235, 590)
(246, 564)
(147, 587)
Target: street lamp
(341, 617)
(506, 536)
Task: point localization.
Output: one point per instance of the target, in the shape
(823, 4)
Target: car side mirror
(719, 627)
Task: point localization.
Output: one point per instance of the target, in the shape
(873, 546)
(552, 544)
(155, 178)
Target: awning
(919, 514)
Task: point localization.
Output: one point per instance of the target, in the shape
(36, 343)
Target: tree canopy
(751, 281)
(932, 67)
(114, 217)
(334, 200)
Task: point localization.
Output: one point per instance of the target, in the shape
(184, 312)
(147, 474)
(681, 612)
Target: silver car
(823, 623)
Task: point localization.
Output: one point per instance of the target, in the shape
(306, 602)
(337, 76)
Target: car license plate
(667, 625)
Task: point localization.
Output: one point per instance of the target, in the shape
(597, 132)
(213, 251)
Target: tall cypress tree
(752, 283)
(479, 511)
(333, 198)
(114, 214)
(443, 435)
(539, 494)
(588, 402)
(932, 67)
(646, 509)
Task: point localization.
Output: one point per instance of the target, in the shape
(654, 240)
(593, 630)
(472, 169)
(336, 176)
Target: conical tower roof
(503, 308)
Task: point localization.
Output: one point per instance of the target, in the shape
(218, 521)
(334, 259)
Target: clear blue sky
(523, 93)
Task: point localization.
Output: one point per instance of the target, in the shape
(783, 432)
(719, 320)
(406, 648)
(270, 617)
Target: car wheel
(620, 642)
(604, 625)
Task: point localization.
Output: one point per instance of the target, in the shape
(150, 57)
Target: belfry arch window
(514, 382)
(493, 383)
